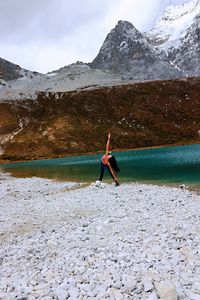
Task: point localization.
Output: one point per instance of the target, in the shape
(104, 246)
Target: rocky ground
(64, 241)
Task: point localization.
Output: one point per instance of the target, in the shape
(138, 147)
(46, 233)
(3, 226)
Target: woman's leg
(102, 171)
(113, 174)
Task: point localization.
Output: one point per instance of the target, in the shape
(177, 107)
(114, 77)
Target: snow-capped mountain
(177, 34)
(126, 52)
(173, 25)
(187, 56)
(170, 50)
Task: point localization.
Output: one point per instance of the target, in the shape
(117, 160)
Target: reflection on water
(179, 164)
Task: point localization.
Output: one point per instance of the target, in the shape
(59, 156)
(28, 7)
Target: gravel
(63, 241)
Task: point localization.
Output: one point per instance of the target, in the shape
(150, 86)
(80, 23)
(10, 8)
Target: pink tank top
(105, 158)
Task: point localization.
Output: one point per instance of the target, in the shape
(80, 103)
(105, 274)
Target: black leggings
(103, 168)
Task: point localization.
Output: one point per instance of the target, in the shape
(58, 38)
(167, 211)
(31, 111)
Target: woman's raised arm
(108, 144)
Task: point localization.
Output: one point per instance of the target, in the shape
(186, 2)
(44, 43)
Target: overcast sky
(44, 35)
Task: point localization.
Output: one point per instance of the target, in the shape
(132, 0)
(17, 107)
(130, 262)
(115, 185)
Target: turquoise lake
(169, 165)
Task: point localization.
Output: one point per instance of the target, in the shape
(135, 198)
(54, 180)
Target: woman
(109, 163)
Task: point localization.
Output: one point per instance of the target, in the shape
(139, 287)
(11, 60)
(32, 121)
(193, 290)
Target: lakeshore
(62, 240)
(167, 165)
(181, 143)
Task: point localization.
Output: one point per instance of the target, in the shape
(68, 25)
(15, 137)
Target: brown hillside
(138, 115)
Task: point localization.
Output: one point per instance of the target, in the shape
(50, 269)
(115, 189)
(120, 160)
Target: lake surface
(175, 165)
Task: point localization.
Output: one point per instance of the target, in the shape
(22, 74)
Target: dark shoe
(116, 183)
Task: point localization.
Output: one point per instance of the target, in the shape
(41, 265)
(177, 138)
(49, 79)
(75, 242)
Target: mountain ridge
(126, 55)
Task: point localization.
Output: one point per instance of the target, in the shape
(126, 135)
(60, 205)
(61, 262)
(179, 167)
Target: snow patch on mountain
(173, 25)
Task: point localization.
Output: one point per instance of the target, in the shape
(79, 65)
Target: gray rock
(153, 296)
(73, 293)
(196, 286)
(62, 294)
(166, 291)
(148, 285)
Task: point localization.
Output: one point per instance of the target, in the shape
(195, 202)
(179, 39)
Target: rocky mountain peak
(125, 27)
(120, 37)
(8, 70)
(127, 53)
(123, 24)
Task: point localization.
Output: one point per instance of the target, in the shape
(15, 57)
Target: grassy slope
(138, 115)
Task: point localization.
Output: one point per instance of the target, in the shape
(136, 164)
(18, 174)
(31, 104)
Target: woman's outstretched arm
(108, 144)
